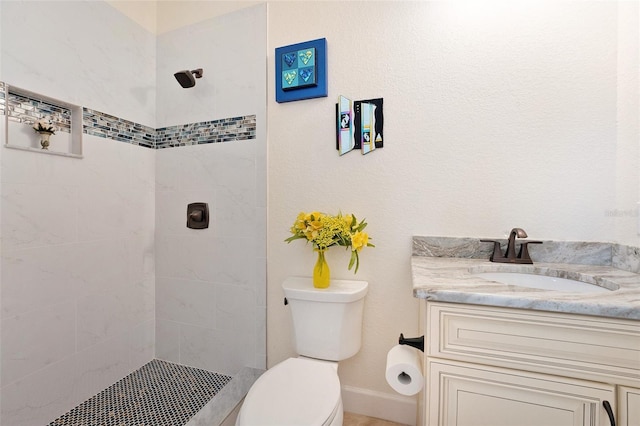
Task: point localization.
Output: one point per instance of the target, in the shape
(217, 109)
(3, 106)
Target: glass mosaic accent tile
(26, 109)
(160, 393)
(111, 127)
(223, 130)
(2, 97)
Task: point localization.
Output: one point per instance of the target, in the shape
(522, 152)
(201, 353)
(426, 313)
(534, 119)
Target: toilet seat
(296, 392)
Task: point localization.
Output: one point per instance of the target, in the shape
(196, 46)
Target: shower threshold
(159, 393)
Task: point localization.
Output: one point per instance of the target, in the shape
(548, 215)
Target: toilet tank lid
(339, 291)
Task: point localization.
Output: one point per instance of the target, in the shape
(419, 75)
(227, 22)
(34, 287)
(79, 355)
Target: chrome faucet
(510, 254)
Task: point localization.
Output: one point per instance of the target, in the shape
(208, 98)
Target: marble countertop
(451, 279)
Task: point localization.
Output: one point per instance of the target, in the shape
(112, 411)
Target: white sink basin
(542, 282)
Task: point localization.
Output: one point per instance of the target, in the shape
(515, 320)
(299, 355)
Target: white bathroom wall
(231, 51)
(497, 114)
(96, 57)
(210, 289)
(177, 14)
(627, 212)
(77, 277)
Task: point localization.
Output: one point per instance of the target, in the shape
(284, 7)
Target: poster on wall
(301, 71)
(346, 140)
(360, 125)
(369, 124)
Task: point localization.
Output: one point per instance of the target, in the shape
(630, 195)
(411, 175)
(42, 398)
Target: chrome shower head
(187, 78)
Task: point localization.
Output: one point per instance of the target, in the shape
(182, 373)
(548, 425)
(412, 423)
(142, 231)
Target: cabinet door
(465, 394)
(628, 406)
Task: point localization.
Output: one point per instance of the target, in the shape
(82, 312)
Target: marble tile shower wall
(78, 277)
(94, 249)
(107, 324)
(25, 109)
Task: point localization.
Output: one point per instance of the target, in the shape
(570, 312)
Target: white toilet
(306, 390)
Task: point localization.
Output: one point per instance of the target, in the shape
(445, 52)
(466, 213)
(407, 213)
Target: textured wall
(497, 114)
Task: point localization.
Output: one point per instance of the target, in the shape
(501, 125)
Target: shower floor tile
(157, 394)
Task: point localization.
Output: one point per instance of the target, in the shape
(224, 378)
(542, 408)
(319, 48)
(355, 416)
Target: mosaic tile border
(215, 131)
(27, 109)
(2, 98)
(159, 393)
(111, 127)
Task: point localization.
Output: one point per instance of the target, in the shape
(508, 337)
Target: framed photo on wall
(301, 71)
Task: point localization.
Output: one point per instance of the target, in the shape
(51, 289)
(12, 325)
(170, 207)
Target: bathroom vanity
(500, 354)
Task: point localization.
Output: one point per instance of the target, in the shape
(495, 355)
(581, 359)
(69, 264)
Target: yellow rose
(359, 240)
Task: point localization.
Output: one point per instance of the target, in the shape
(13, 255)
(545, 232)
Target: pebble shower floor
(157, 394)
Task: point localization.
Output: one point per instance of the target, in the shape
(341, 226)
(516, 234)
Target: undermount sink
(542, 282)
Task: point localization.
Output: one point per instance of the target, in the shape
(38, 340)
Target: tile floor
(351, 419)
(160, 393)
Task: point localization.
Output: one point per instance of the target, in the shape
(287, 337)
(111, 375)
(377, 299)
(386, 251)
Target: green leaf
(361, 225)
(357, 262)
(354, 257)
(294, 237)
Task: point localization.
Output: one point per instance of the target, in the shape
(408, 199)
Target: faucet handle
(523, 255)
(496, 249)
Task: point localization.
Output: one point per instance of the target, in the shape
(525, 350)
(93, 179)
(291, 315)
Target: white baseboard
(387, 406)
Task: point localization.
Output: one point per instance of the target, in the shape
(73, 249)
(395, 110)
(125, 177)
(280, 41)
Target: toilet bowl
(305, 391)
(296, 392)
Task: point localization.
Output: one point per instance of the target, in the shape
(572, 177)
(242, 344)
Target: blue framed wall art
(301, 71)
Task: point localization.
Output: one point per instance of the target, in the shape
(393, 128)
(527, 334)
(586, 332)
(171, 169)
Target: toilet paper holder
(416, 342)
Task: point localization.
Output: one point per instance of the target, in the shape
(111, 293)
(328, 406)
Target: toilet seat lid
(295, 392)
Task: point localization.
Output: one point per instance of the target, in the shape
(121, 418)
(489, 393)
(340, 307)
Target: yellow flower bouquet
(324, 231)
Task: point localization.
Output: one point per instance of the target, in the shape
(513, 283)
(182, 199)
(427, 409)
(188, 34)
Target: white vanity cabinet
(498, 366)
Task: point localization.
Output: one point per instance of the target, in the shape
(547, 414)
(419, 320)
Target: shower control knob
(198, 216)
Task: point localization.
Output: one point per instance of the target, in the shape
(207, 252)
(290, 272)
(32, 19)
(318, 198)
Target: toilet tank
(327, 322)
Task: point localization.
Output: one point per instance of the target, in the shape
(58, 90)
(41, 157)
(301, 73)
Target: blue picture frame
(301, 71)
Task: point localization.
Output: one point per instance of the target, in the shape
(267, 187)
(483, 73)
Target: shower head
(186, 77)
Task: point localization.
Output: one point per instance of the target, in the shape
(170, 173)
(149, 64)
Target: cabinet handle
(607, 408)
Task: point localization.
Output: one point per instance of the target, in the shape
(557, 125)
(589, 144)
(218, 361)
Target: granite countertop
(451, 279)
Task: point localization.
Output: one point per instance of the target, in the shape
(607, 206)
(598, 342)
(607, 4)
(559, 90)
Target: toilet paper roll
(404, 371)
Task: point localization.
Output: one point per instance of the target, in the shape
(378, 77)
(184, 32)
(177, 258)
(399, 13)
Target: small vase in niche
(44, 139)
(45, 128)
(321, 272)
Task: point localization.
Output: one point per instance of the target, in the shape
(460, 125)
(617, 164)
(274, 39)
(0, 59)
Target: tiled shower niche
(23, 108)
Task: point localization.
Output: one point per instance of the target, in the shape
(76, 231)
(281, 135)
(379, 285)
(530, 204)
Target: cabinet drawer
(592, 348)
(464, 394)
